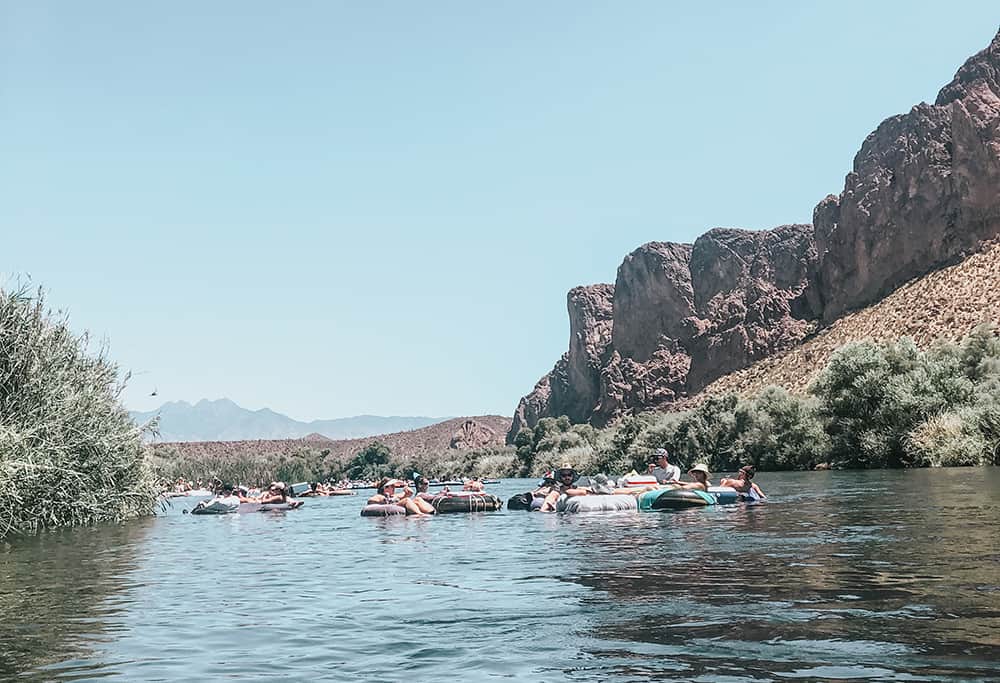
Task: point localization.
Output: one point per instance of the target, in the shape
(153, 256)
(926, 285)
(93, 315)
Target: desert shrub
(583, 458)
(69, 452)
(878, 401)
(620, 451)
(949, 439)
(251, 467)
(369, 463)
(553, 440)
(780, 432)
(711, 434)
(494, 463)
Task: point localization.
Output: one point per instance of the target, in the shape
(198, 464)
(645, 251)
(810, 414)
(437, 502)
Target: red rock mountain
(924, 193)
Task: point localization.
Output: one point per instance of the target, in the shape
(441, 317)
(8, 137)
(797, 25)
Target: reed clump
(69, 452)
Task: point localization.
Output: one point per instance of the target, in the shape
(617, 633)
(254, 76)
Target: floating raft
(244, 508)
(597, 503)
(466, 501)
(680, 499)
(383, 510)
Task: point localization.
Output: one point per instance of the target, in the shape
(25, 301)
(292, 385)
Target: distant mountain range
(224, 420)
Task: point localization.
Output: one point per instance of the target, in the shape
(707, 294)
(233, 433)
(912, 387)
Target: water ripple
(841, 576)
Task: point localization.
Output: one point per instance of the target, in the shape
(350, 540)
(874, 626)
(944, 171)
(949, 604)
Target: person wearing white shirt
(663, 470)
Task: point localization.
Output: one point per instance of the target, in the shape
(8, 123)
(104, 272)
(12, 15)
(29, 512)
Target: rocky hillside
(944, 305)
(924, 193)
(464, 433)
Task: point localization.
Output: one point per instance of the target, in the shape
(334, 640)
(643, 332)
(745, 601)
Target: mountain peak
(224, 420)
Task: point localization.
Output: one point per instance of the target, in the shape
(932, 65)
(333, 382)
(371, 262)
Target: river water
(839, 576)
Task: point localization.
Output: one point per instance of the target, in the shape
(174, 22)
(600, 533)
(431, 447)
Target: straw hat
(700, 468)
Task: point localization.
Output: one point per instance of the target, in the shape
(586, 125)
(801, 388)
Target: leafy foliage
(69, 453)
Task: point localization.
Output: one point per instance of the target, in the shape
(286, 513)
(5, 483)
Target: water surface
(840, 576)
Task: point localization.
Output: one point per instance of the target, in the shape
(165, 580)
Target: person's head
(227, 488)
(422, 483)
(277, 488)
(747, 472)
(660, 457)
(390, 486)
(566, 474)
(699, 473)
(314, 486)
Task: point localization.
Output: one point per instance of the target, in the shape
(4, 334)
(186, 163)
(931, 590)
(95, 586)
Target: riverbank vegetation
(875, 405)
(69, 452)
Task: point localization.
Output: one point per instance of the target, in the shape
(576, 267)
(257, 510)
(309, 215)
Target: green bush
(949, 439)
(781, 432)
(879, 401)
(69, 452)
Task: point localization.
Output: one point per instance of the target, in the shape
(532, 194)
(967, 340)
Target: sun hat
(699, 468)
(660, 452)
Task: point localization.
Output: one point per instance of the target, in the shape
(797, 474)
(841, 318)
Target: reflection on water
(60, 594)
(860, 576)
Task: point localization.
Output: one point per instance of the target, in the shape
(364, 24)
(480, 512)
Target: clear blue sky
(333, 208)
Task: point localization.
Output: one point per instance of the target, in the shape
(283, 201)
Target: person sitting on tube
(276, 493)
(566, 478)
(743, 483)
(662, 469)
(473, 485)
(386, 495)
(422, 485)
(700, 474)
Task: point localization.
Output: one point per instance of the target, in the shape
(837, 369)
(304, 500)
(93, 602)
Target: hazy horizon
(377, 209)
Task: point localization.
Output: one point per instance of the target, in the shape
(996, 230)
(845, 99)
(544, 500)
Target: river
(884, 575)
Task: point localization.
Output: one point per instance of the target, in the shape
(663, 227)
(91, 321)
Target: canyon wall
(924, 192)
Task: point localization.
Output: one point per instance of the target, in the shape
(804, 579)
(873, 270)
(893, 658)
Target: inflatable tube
(214, 508)
(468, 501)
(679, 499)
(725, 495)
(597, 503)
(520, 501)
(341, 492)
(382, 510)
(269, 507)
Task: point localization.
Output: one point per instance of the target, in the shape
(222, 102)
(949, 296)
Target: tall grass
(69, 452)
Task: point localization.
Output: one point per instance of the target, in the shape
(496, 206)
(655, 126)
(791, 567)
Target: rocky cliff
(924, 192)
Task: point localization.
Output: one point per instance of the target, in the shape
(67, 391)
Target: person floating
(700, 474)
(744, 484)
(662, 469)
(566, 478)
(386, 495)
